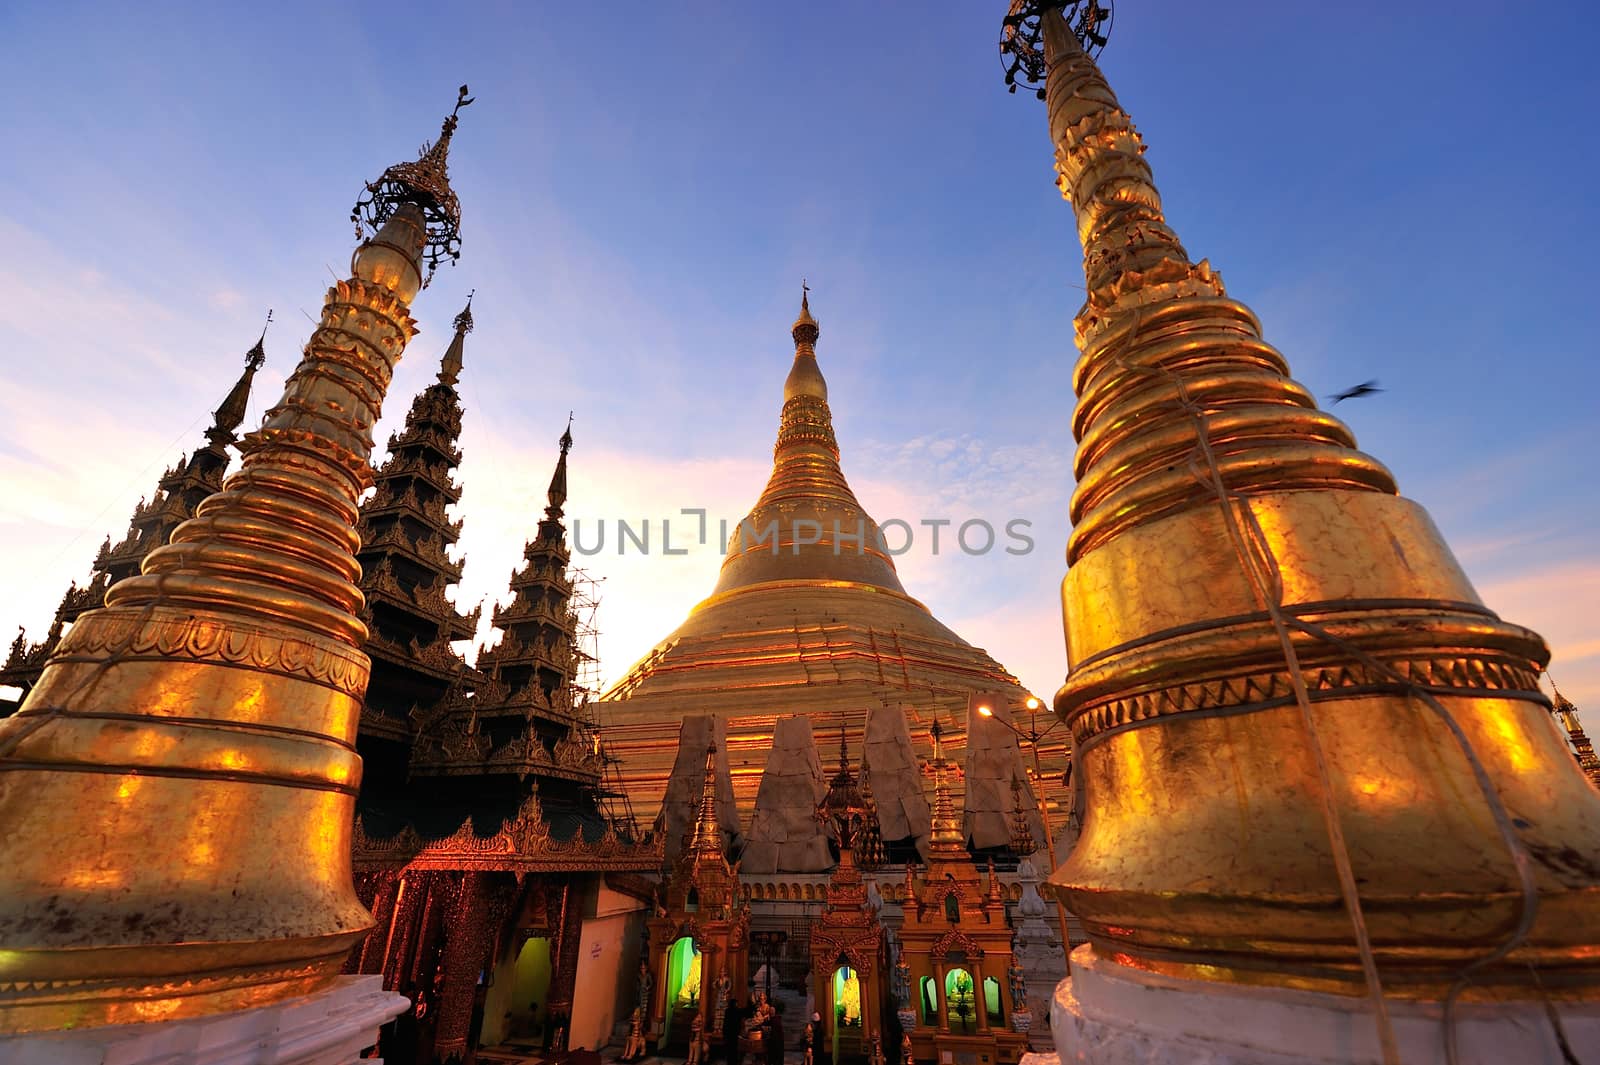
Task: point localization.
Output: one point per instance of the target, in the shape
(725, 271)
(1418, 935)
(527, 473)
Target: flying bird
(1366, 388)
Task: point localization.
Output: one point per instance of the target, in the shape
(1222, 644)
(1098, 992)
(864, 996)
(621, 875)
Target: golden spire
(455, 354)
(226, 418)
(807, 525)
(945, 841)
(1308, 683)
(707, 844)
(178, 790)
(1567, 714)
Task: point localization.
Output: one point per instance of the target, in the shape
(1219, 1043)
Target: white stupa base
(1109, 1014)
(331, 1027)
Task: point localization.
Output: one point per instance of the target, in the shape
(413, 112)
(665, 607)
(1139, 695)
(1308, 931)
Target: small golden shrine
(955, 964)
(698, 951)
(849, 951)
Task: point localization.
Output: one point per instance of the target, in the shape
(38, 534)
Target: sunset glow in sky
(1405, 196)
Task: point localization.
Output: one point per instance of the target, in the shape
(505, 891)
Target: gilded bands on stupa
(1233, 555)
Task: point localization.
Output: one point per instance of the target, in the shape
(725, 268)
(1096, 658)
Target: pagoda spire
(450, 364)
(707, 844)
(807, 523)
(227, 417)
(530, 702)
(1582, 749)
(407, 534)
(556, 495)
(155, 866)
(1324, 662)
(945, 842)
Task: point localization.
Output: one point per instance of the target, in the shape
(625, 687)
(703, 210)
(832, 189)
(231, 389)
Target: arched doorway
(530, 984)
(845, 1023)
(683, 988)
(961, 1002)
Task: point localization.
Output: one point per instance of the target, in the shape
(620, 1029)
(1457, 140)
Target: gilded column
(1271, 650)
(177, 792)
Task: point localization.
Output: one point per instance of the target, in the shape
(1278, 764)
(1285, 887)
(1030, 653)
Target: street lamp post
(768, 942)
(1032, 738)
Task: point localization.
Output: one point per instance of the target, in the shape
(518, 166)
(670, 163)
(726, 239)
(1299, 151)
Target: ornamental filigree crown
(1022, 36)
(425, 183)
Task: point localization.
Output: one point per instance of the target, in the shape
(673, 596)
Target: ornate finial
(455, 354)
(226, 418)
(844, 752)
(806, 330)
(425, 183)
(557, 493)
(256, 357)
(1021, 47)
(707, 833)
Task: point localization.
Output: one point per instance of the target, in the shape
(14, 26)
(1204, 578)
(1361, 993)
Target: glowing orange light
(984, 711)
(1033, 702)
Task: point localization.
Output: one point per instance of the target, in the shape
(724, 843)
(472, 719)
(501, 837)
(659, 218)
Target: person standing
(772, 1041)
(732, 1026)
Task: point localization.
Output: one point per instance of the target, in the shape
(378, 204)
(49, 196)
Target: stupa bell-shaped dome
(808, 617)
(807, 525)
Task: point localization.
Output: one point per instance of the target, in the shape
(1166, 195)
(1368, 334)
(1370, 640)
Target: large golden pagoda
(808, 617)
(1312, 757)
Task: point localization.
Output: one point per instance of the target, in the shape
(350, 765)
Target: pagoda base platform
(1110, 1014)
(331, 1027)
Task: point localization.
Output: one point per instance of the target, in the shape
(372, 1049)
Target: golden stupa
(808, 617)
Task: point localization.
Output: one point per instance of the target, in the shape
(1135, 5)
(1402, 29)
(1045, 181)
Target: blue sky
(1401, 192)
